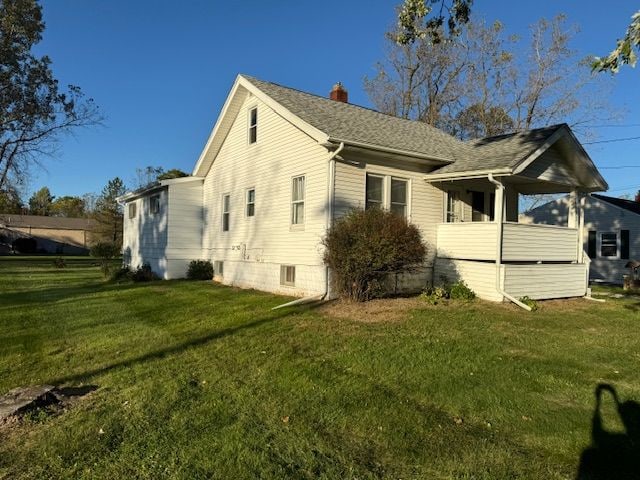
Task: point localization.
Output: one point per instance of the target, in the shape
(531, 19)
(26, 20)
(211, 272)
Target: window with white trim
(154, 204)
(250, 209)
(608, 244)
(226, 206)
(132, 210)
(297, 200)
(218, 268)
(288, 275)
(399, 194)
(391, 193)
(253, 125)
(375, 191)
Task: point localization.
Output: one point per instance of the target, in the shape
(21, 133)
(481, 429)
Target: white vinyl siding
(253, 251)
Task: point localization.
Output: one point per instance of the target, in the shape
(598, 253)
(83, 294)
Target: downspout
(329, 220)
(499, 220)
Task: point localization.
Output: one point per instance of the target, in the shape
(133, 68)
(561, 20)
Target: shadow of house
(612, 454)
(57, 235)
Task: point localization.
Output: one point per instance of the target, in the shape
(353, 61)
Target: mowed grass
(197, 380)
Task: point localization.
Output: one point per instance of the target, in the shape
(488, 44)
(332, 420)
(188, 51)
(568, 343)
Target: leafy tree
(108, 212)
(624, 51)
(173, 173)
(10, 201)
(68, 206)
(483, 82)
(415, 22)
(34, 109)
(41, 202)
(147, 176)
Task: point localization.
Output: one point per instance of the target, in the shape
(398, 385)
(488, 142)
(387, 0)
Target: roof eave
(403, 153)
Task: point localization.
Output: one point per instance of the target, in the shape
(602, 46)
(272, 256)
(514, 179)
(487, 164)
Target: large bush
(200, 270)
(365, 246)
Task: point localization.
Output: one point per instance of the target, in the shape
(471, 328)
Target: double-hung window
(608, 244)
(226, 205)
(132, 210)
(387, 192)
(253, 125)
(251, 202)
(297, 200)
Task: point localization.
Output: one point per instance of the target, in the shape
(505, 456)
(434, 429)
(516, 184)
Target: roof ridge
(369, 109)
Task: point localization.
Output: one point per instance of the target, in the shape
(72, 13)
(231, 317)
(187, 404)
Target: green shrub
(460, 291)
(365, 246)
(200, 270)
(144, 274)
(434, 295)
(122, 274)
(105, 252)
(59, 262)
(529, 302)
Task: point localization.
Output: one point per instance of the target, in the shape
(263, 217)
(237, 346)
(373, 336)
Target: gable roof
(502, 151)
(39, 221)
(346, 122)
(629, 205)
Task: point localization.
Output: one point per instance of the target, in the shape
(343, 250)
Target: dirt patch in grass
(374, 311)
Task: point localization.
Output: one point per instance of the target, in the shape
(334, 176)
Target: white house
(280, 165)
(611, 232)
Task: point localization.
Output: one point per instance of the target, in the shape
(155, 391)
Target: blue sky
(160, 71)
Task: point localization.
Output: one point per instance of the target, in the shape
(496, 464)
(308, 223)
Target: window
(218, 268)
(251, 202)
(287, 275)
(399, 196)
(253, 125)
(375, 191)
(154, 204)
(609, 244)
(226, 203)
(453, 207)
(297, 200)
(132, 210)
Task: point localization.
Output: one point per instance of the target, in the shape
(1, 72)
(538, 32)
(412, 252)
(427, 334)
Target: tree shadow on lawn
(612, 455)
(180, 347)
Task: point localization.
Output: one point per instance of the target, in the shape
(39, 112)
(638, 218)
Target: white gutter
(433, 177)
(331, 175)
(405, 153)
(499, 218)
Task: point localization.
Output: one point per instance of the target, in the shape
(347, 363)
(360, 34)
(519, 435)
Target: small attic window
(154, 204)
(253, 125)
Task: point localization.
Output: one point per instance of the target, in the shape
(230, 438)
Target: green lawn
(202, 381)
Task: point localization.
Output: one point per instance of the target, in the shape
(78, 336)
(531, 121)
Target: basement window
(132, 210)
(287, 275)
(218, 268)
(253, 125)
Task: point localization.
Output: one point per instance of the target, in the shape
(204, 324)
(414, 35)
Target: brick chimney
(339, 94)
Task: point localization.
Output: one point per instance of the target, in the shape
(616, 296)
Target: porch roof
(544, 160)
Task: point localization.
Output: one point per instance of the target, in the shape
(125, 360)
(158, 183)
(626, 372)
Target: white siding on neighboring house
(254, 248)
(600, 217)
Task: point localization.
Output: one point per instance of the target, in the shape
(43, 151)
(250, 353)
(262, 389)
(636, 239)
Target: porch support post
(580, 204)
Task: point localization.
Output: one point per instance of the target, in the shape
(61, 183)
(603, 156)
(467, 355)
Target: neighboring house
(611, 231)
(280, 165)
(70, 236)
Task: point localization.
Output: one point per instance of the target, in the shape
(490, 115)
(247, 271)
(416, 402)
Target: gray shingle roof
(502, 151)
(350, 122)
(630, 205)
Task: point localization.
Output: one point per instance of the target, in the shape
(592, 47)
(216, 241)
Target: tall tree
(41, 202)
(147, 176)
(624, 53)
(34, 110)
(484, 82)
(10, 201)
(173, 173)
(68, 206)
(108, 212)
